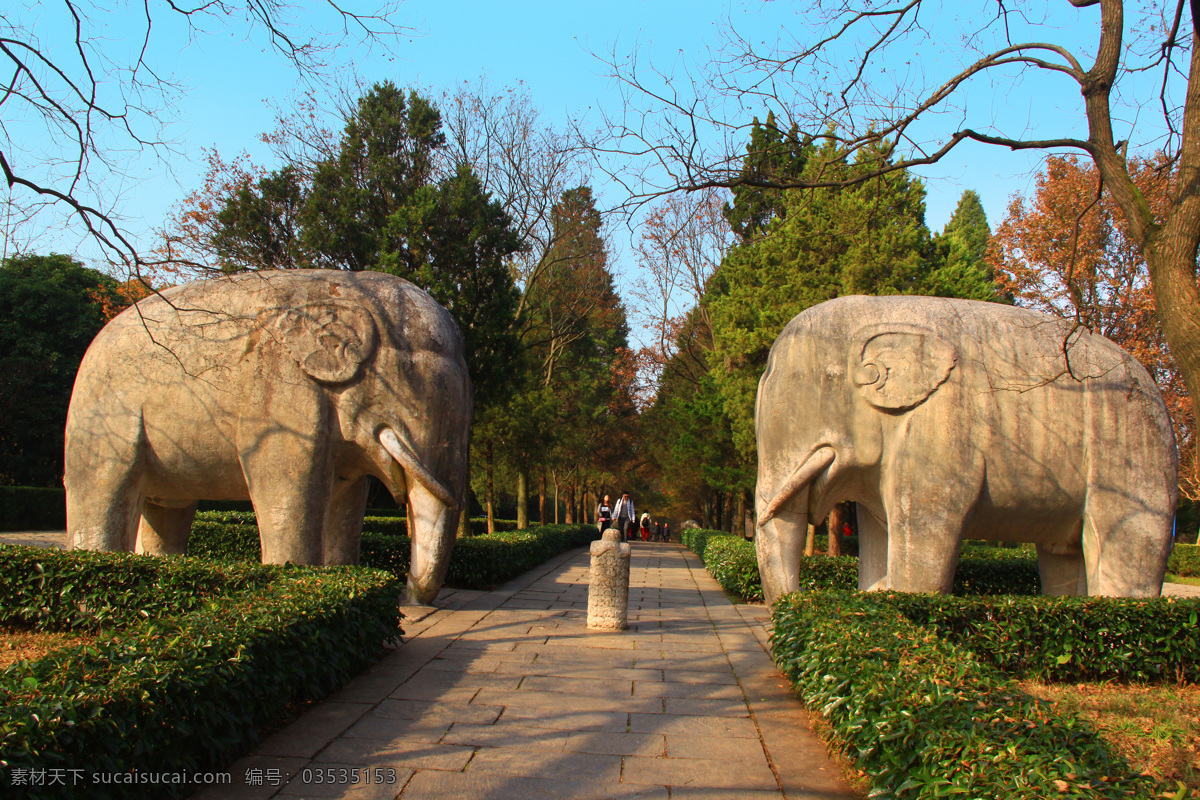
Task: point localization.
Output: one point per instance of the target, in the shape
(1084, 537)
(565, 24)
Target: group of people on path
(623, 517)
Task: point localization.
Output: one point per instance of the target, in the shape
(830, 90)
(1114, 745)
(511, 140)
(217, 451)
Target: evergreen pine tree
(959, 268)
(771, 154)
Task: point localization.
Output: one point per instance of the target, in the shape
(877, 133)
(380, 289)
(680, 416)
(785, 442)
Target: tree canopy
(51, 307)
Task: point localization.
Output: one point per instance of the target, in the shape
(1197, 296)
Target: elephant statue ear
(329, 340)
(899, 366)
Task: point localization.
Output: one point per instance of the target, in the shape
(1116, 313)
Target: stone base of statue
(608, 590)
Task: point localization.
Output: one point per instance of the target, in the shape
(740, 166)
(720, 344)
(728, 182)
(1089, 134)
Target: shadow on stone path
(506, 694)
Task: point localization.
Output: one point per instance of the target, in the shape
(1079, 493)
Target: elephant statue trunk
(783, 521)
(432, 507)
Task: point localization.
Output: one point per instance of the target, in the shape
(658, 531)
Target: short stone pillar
(608, 590)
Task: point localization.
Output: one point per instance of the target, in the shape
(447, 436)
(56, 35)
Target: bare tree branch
(76, 107)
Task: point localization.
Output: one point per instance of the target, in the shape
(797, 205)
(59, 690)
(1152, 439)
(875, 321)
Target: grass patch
(1155, 728)
(1172, 578)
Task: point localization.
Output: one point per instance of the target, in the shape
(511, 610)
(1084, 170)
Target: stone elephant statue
(952, 419)
(286, 388)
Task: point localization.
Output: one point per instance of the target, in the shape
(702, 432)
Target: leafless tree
(524, 161)
(899, 74)
(78, 104)
(682, 241)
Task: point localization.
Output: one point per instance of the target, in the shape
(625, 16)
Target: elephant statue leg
(103, 501)
(343, 531)
(290, 478)
(924, 543)
(1133, 551)
(872, 551)
(163, 530)
(1061, 567)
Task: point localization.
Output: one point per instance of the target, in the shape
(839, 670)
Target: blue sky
(549, 46)
(227, 80)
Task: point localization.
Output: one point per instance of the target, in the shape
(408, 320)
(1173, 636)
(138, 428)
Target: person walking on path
(625, 515)
(645, 525)
(604, 515)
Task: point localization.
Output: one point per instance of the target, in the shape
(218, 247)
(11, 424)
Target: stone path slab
(506, 694)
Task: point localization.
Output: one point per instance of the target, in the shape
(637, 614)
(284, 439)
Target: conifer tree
(386, 154)
(770, 152)
(960, 268)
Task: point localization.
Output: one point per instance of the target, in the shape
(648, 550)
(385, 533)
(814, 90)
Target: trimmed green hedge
(484, 562)
(924, 717)
(187, 689)
(1068, 639)
(478, 562)
(1185, 561)
(58, 590)
(32, 508)
(732, 561)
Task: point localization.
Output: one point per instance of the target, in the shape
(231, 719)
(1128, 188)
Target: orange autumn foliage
(1067, 252)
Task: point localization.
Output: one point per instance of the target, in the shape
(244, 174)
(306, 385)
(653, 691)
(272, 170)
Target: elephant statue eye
(867, 375)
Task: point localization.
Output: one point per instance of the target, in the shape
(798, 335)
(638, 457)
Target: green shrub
(32, 508)
(50, 589)
(923, 717)
(986, 571)
(225, 535)
(1068, 639)
(484, 562)
(478, 562)
(187, 689)
(733, 562)
(829, 572)
(1185, 561)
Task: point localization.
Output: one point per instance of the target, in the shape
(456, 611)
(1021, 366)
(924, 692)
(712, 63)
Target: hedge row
(924, 717)
(1185, 561)
(1068, 639)
(478, 562)
(187, 689)
(730, 559)
(49, 589)
(736, 568)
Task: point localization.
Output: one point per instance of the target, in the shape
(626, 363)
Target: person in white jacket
(624, 516)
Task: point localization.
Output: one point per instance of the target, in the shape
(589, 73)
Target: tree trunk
(464, 519)
(736, 512)
(834, 524)
(522, 499)
(491, 492)
(810, 541)
(706, 514)
(1169, 247)
(570, 504)
(542, 498)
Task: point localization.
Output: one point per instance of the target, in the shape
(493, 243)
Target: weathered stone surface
(285, 388)
(608, 588)
(951, 419)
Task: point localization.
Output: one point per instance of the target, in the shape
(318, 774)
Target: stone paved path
(506, 694)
